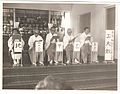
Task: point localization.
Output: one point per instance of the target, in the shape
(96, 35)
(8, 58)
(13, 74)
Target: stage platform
(80, 76)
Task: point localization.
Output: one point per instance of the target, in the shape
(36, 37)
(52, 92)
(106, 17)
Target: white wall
(98, 24)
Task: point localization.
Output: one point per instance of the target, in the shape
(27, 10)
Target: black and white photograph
(59, 46)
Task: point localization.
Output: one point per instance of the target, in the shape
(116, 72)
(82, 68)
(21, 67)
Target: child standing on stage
(16, 44)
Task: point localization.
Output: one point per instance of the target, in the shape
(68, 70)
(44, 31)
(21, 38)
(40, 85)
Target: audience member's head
(53, 83)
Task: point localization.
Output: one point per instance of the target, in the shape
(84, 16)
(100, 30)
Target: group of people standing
(49, 54)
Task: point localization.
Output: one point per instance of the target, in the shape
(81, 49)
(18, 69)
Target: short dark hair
(86, 28)
(16, 30)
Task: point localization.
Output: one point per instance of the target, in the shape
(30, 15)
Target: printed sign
(95, 46)
(109, 45)
(59, 46)
(17, 46)
(76, 46)
(39, 46)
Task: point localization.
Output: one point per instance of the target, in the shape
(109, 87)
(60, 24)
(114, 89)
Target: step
(69, 76)
(79, 76)
(77, 84)
(105, 86)
(94, 81)
(57, 69)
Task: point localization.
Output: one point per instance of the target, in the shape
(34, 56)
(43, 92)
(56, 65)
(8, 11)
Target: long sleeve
(30, 42)
(65, 41)
(47, 42)
(82, 39)
(78, 38)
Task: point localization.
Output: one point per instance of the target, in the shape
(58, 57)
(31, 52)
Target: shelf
(31, 19)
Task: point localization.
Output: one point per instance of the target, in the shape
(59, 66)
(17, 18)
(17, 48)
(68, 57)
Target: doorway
(110, 18)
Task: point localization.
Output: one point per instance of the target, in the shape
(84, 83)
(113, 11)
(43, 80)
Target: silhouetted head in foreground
(53, 83)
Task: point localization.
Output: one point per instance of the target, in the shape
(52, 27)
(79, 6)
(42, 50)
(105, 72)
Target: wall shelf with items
(56, 18)
(8, 20)
(29, 19)
(32, 19)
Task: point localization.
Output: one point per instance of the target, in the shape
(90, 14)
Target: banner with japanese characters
(94, 54)
(76, 46)
(17, 46)
(39, 46)
(59, 46)
(109, 45)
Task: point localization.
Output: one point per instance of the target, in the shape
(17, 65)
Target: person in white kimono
(85, 46)
(50, 45)
(68, 46)
(35, 57)
(16, 56)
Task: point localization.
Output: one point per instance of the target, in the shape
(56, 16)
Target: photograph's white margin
(60, 91)
(1, 53)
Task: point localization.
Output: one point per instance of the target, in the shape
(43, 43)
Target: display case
(8, 20)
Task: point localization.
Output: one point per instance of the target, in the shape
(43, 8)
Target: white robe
(35, 56)
(68, 46)
(48, 38)
(85, 48)
(50, 46)
(66, 40)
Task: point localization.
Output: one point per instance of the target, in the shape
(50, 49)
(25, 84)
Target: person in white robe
(68, 46)
(16, 56)
(85, 46)
(36, 57)
(50, 45)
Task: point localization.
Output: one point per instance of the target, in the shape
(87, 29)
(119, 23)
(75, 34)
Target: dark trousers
(46, 63)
